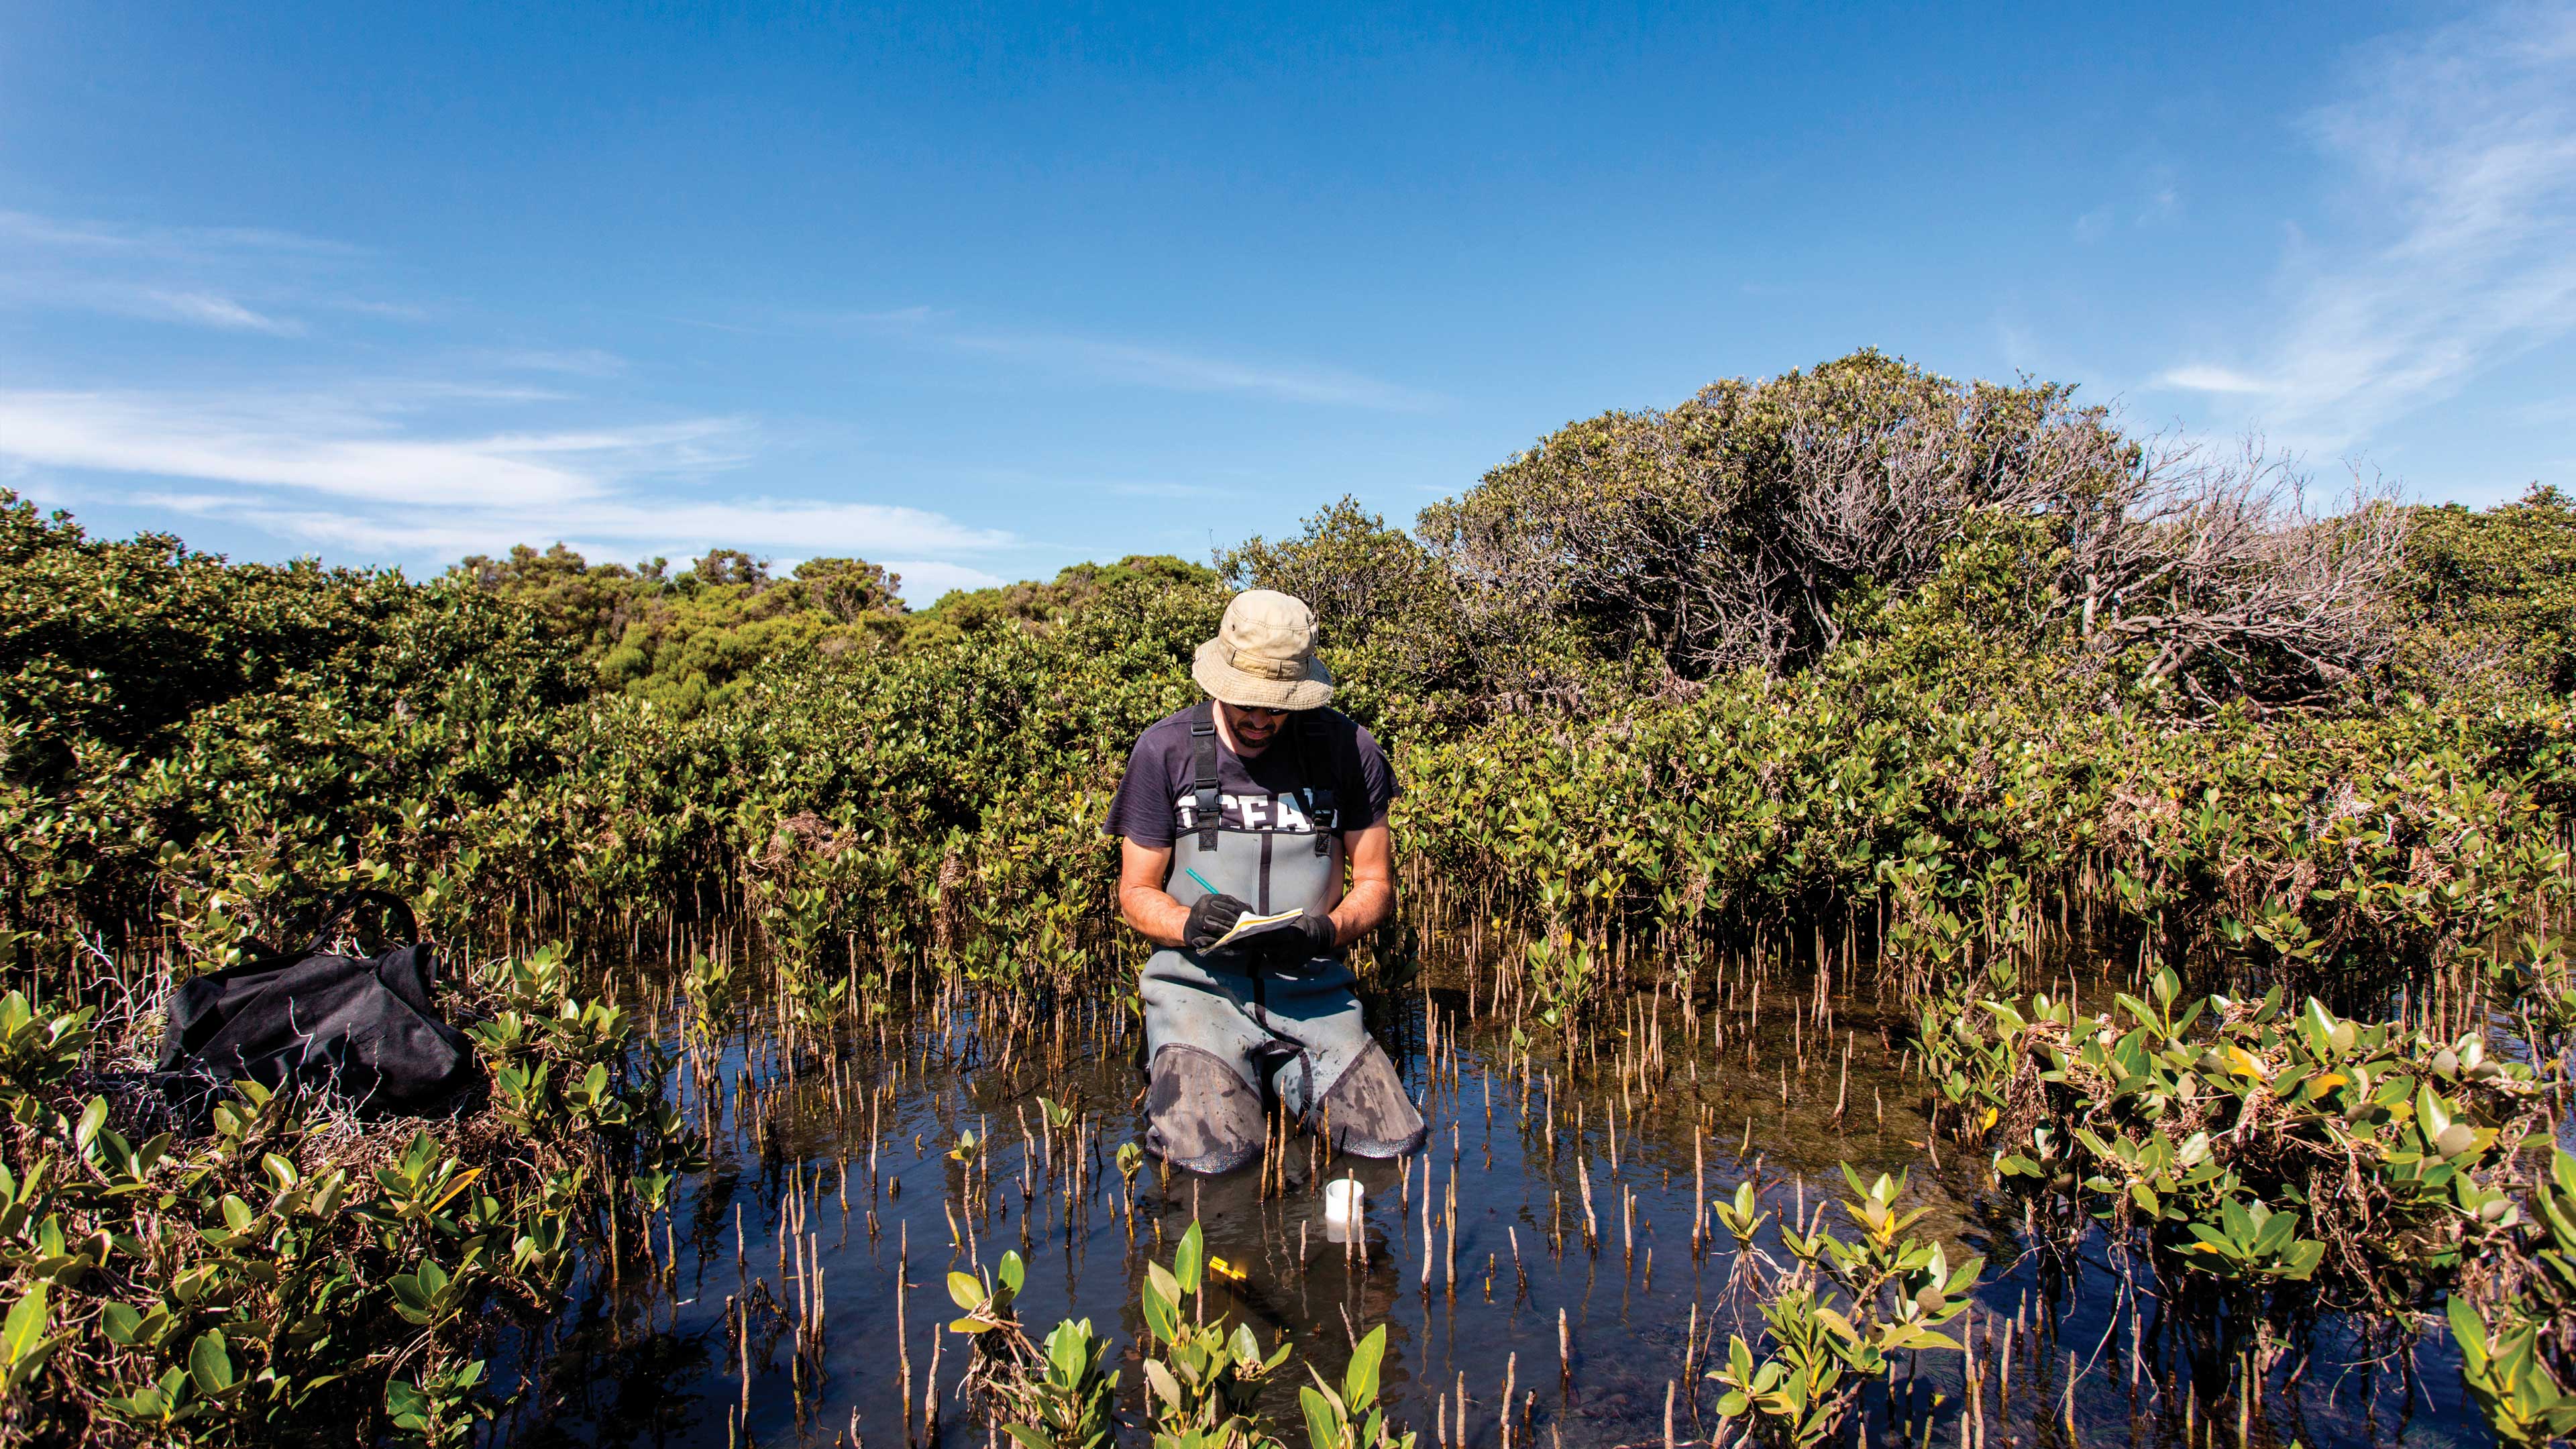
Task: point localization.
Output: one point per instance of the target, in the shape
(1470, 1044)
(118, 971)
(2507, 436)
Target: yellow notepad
(1253, 926)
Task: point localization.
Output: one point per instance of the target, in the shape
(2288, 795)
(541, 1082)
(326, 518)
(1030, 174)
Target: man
(1253, 802)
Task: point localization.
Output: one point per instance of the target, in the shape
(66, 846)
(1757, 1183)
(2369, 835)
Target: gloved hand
(1319, 932)
(1309, 936)
(1210, 918)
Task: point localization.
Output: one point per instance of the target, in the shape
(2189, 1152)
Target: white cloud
(342, 472)
(415, 469)
(2464, 140)
(215, 311)
(1095, 359)
(235, 279)
(219, 439)
(1172, 490)
(924, 580)
(577, 362)
(199, 505)
(1193, 372)
(2200, 377)
(675, 528)
(106, 237)
(902, 316)
(2158, 201)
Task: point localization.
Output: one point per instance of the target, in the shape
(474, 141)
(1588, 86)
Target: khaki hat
(1263, 655)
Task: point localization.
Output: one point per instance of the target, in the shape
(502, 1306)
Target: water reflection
(834, 1185)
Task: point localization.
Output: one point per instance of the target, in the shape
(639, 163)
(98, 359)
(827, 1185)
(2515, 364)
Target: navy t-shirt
(1268, 792)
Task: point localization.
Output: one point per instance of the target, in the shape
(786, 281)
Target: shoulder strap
(1208, 811)
(1314, 762)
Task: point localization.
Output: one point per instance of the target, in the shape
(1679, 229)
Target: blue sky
(979, 291)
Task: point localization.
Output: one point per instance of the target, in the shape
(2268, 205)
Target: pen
(1202, 880)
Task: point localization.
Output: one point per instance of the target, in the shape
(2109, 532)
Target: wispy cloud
(1193, 372)
(353, 473)
(118, 238)
(924, 580)
(2464, 138)
(629, 526)
(488, 446)
(2202, 377)
(573, 362)
(1104, 360)
(235, 440)
(1172, 490)
(2158, 200)
(218, 311)
(236, 279)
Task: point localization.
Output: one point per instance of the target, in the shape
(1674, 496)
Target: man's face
(1253, 728)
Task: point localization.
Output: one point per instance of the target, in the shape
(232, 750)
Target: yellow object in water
(1226, 1270)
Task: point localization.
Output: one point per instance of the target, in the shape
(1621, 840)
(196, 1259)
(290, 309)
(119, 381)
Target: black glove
(1210, 918)
(1320, 935)
(1300, 941)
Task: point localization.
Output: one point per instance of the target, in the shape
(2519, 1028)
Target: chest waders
(1228, 1033)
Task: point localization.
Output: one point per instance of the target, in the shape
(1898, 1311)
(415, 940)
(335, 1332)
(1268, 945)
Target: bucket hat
(1263, 655)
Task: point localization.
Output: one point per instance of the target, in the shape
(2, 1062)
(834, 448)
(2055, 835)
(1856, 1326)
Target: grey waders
(1228, 1032)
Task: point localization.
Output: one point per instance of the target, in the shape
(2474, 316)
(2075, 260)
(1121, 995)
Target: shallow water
(651, 1357)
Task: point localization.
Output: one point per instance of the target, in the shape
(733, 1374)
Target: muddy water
(840, 1176)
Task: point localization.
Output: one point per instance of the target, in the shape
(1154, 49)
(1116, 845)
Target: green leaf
(1359, 1384)
(2469, 1332)
(210, 1363)
(2276, 1233)
(2432, 1114)
(967, 1290)
(2238, 1222)
(1068, 1345)
(2317, 1025)
(1188, 1260)
(1161, 1319)
(407, 1405)
(2303, 1258)
(25, 1326)
(1322, 1424)
(1913, 1336)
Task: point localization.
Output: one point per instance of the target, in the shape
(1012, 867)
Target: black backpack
(361, 1028)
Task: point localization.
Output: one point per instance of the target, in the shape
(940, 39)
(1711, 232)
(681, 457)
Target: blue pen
(1202, 880)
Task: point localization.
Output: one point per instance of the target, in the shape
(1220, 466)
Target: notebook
(1253, 926)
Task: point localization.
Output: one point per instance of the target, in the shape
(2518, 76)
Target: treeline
(1860, 647)
(684, 640)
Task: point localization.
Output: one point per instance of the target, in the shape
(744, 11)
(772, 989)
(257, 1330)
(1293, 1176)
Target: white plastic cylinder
(1344, 1201)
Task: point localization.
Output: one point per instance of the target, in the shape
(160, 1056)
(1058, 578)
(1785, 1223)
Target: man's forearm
(1154, 914)
(1365, 909)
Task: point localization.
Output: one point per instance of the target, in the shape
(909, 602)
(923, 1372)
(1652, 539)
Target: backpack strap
(258, 955)
(1208, 810)
(398, 918)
